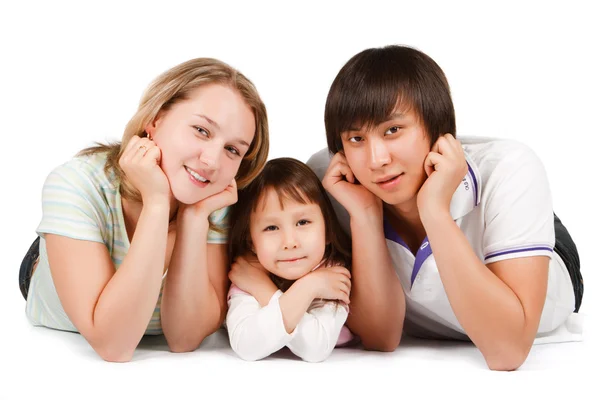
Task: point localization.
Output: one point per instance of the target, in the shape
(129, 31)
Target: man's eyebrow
(396, 115)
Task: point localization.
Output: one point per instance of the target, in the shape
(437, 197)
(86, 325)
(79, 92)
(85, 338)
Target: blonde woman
(133, 235)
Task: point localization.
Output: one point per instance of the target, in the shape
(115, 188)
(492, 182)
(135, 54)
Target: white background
(72, 73)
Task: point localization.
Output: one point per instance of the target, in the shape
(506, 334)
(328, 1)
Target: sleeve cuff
(518, 252)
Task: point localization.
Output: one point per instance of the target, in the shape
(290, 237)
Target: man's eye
(392, 130)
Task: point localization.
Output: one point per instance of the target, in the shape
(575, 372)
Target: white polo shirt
(503, 206)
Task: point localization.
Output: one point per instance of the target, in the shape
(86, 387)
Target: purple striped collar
(468, 193)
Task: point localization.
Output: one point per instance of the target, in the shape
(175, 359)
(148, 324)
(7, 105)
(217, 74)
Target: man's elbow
(183, 346)
(384, 343)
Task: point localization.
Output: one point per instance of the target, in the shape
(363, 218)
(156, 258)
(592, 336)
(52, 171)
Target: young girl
(132, 239)
(296, 292)
(458, 238)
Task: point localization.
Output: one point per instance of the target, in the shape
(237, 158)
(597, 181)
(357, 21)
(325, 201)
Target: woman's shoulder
(84, 170)
(82, 178)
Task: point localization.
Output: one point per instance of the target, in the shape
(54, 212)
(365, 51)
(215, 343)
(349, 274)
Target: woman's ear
(153, 125)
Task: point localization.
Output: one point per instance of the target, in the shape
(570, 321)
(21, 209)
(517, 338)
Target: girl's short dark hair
(376, 81)
(292, 180)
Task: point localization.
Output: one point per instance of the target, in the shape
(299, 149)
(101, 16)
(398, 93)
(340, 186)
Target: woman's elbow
(511, 358)
(113, 354)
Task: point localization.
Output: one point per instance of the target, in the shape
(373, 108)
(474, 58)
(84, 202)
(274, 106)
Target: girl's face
(289, 241)
(389, 159)
(203, 140)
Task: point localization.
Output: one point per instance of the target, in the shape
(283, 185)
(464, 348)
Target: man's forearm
(377, 304)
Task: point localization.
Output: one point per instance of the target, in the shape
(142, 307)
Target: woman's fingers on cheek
(133, 141)
(127, 153)
(134, 145)
(152, 155)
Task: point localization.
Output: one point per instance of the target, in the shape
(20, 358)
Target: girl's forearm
(295, 301)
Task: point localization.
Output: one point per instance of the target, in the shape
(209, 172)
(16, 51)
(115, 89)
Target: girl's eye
(355, 139)
(232, 150)
(270, 228)
(303, 222)
(392, 130)
(202, 131)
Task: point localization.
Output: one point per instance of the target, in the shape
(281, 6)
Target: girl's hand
(331, 283)
(445, 167)
(250, 276)
(354, 197)
(141, 163)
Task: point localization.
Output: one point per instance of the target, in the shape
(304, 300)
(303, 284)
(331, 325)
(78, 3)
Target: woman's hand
(141, 163)
(204, 208)
(354, 197)
(445, 167)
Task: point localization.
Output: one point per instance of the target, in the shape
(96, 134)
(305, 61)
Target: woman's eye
(232, 150)
(303, 222)
(202, 131)
(270, 228)
(355, 139)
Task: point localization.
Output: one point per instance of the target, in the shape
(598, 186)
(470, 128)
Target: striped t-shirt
(80, 201)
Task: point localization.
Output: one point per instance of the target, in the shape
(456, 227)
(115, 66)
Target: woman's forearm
(127, 302)
(192, 308)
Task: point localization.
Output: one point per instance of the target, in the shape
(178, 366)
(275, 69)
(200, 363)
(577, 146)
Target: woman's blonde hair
(175, 85)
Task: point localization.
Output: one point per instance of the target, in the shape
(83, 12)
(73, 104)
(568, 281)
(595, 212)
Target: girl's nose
(290, 241)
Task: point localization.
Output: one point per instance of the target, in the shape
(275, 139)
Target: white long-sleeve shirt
(255, 332)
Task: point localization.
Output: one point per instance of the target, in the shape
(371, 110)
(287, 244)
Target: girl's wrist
(307, 285)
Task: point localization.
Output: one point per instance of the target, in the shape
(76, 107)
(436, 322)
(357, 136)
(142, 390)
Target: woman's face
(388, 159)
(203, 140)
